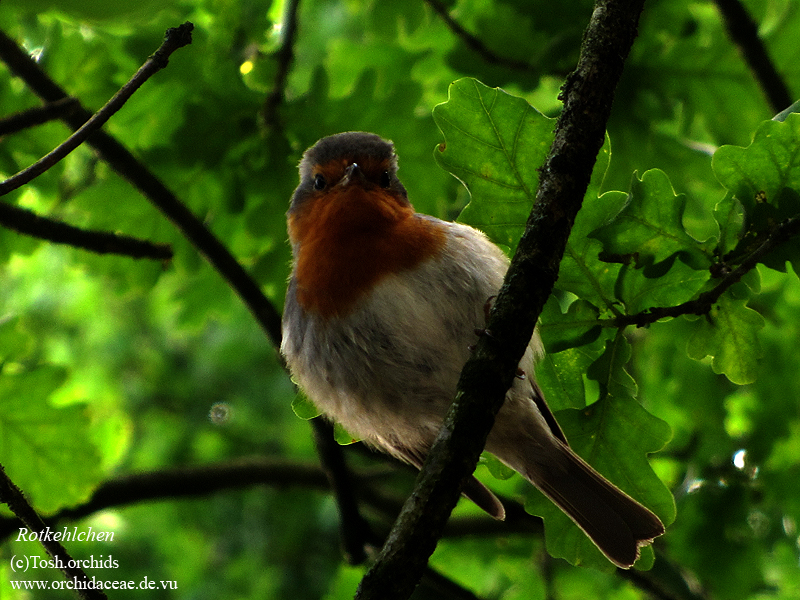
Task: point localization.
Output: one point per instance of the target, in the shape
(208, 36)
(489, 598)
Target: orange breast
(350, 239)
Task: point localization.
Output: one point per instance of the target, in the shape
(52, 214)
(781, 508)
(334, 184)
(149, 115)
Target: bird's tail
(617, 524)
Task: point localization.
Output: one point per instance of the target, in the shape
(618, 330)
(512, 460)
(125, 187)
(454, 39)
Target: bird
(382, 309)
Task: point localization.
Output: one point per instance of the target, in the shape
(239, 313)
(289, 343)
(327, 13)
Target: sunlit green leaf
(304, 408)
(577, 327)
(730, 336)
(494, 142)
(581, 271)
(765, 178)
(45, 450)
(760, 172)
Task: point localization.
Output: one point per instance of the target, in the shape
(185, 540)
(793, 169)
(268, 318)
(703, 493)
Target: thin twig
(124, 163)
(29, 223)
(355, 532)
(744, 33)
(475, 44)
(177, 37)
(11, 495)
(587, 94)
(37, 116)
(705, 301)
(284, 57)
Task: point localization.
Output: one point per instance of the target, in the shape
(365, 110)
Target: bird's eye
(386, 179)
(319, 182)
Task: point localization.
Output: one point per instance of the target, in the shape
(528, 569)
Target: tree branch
(122, 161)
(176, 37)
(354, 531)
(587, 94)
(704, 302)
(27, 222)
(475, 44)
(284, 56)
(195, 481)
(11, 495)
(744, 33)
(187, 481)
(37, 115)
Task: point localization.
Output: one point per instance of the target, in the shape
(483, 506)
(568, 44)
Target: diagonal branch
(11, 495)
(744, 33)
(354, 530)
(587, 94)
(284, 57)
(176, 37)
(475, 44)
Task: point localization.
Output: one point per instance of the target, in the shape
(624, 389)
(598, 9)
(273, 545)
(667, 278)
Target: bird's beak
(352, 174)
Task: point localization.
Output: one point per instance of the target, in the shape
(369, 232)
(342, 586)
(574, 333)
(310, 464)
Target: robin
(381, 311)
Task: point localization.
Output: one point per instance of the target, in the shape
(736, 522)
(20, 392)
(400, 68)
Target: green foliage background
(112, 366)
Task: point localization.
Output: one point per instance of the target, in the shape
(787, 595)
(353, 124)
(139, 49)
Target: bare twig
(587, 94)
(177, 37)
(475, 44)
(28, 222)
(11, 495)
(37, 115)
(284, 56)
(744, 33)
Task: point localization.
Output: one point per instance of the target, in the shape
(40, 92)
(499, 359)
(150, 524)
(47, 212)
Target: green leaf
(498, 469)
(341, 435)
(640, 290)
(45, 450)
(581, 271)
(15, 341)
(578, 327)
(304, 408)
(765, 178)
(615, 435)
(561, 377)
(494, 142)
(760, 172)
(96, 10)
(650, 225)
(730, 336)
(730, 218)
(609, 369)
